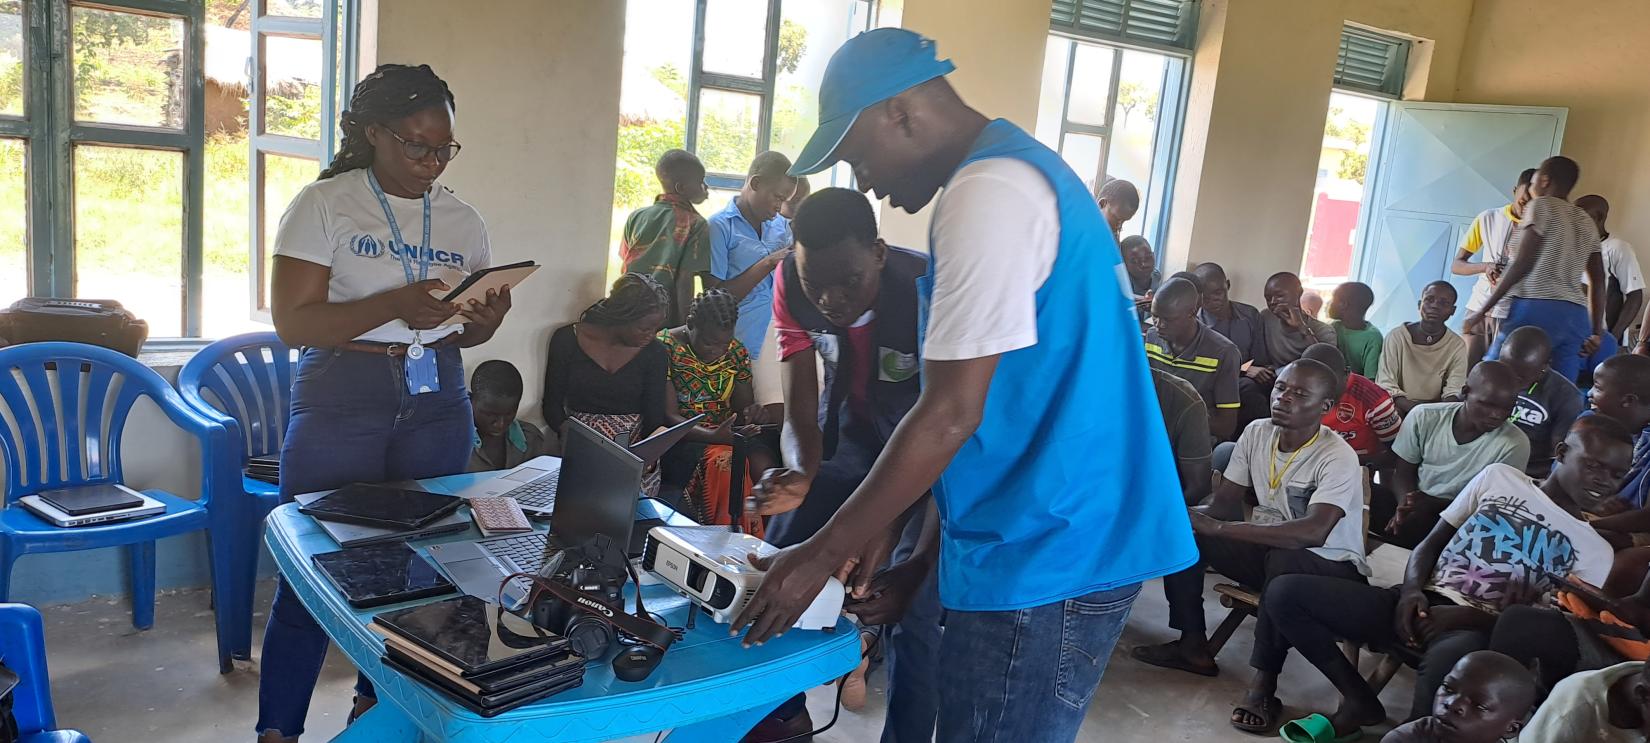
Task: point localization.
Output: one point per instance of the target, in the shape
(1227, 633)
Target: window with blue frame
(147, 148)
(1114, 81)
(724, 79)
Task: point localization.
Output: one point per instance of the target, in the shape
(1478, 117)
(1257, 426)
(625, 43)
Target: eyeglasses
(418, 150)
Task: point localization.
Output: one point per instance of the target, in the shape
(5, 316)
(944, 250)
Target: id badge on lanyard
(419, 364)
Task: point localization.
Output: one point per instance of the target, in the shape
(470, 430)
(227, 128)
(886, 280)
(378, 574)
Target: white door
(1439, 165)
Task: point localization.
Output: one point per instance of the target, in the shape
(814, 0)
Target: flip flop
(1315, 729)
(1268, 713)
(1166, 656)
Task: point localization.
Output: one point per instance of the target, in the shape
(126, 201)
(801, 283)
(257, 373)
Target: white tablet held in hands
(476, 285)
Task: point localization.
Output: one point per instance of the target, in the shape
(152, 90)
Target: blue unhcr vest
(1068, 486)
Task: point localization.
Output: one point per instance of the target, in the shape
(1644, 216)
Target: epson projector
(709, 567)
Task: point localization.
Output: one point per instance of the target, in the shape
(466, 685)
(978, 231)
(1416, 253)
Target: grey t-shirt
(1568, 238)
(1285, 345)
(1324, 471)
(1426, 439)
(1544, 413)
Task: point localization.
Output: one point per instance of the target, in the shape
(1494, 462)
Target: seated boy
(501, 440)
(1548, 402)
(1180, 344)
(1425, 361)
(1364, 415)
(1286, 332)
(1442, 446)
(1485, 699)
(1610, 705)
(1141, 265)
(1503, 542)
(1358, 341)
(1308, 518)
(668, 239)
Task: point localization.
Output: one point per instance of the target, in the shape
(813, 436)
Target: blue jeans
(1567, 325)
(1027, 676)
(913, 656)
(352, 421)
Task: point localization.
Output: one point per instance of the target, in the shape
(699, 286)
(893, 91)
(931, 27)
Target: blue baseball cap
(869, 69)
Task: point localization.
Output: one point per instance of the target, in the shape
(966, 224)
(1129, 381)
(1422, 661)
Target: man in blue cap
(1036, 428)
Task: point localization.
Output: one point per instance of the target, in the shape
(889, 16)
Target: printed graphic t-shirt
(1512, 545)
(338, 223)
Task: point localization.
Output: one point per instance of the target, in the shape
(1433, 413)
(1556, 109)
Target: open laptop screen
(600, 483)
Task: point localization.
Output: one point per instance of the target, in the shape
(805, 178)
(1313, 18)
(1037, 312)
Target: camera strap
(641, 627)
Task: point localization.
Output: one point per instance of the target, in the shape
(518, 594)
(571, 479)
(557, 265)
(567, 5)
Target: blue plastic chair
(63, 409)
(23, 650)
(245, 383)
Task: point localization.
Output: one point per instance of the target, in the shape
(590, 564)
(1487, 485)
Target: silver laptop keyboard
(540, 493)
(526, 551)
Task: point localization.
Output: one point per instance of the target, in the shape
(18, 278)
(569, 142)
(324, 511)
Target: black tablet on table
(382, 506)
(382, 574)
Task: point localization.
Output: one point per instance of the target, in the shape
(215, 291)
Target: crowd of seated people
(1513, 464)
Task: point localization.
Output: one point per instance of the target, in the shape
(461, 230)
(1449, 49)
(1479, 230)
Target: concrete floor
(118, 685)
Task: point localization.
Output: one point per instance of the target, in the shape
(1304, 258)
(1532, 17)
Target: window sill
(170, 353)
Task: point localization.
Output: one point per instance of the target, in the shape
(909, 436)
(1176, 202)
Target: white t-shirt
(1489, 235)
(1510, 542)
(1324, 471)
(995, 235)
(1578, 709)
(339, 223)
(1621, 264)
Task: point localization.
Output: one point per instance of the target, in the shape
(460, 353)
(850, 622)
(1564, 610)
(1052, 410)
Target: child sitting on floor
(1484, 699)
(501, 441)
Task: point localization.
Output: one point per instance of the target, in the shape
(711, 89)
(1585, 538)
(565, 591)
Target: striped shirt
(1210, 363)
(1568, 238)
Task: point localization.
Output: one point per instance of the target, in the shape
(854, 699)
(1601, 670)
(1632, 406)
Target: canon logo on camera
(597, 605)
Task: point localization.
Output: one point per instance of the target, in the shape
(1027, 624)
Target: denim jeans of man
(352, 421)
(1027, 676)
(913, 654)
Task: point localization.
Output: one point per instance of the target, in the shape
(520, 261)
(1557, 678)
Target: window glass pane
(1342, 164)
(128, 232)
(226, 280)
(736, 36)
(292, 96)
(227, 285)
(727, 130)
(658, 53)
(718, 201)
(809, 33)
(11, 58)
(1051, 96)
(1082, 153)
(293, 8)
(14, 226)
(1090, 85)
(1134, 127)
(128, 69)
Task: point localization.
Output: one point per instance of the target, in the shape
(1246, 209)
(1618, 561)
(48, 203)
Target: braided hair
(715, 308)
(390, 93)
(634, 296)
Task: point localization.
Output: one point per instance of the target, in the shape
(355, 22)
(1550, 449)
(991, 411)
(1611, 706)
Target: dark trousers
(1251, 565)
(1312, 613)
(352, 421)
(1254, 402)
(1383, 503)
(1548, 640)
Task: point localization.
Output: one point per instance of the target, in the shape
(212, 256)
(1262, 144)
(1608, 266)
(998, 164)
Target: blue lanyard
(424, 250)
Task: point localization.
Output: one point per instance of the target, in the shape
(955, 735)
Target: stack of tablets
(482, 656)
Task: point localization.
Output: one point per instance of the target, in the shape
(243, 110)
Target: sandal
(1315, 729)
(1168, 656)
(1268, 713)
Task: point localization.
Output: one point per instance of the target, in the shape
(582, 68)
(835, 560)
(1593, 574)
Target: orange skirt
(707, 490)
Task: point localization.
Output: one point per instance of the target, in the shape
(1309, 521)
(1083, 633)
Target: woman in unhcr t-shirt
(379, 393)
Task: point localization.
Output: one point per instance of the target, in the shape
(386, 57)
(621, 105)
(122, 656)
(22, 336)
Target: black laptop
(85, 499)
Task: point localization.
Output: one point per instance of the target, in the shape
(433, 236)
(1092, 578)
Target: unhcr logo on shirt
(367, 246)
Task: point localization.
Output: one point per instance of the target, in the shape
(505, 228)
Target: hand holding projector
(710, 568)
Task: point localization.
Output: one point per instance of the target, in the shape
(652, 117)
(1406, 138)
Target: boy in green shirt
(1359, 341)
(668, 240)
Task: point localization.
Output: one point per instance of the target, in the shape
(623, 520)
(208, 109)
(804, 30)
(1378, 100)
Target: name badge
(893, 366)
(422, 375)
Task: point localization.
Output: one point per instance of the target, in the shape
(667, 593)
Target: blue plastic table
(708, 689)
